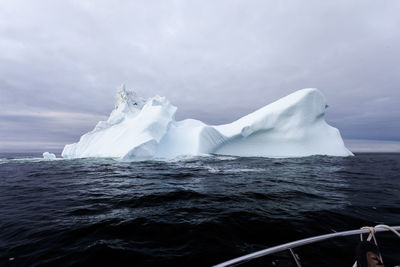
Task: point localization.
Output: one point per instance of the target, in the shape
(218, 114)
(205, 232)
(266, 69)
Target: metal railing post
(295, 257)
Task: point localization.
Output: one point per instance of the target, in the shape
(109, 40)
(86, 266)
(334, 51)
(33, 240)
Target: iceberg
(49, 156)
(140, 129)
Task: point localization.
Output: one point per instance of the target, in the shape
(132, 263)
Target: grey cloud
(43, 131)
(216, 61)
(373, 146)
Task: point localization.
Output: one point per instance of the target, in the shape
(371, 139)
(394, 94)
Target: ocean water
(193, 211)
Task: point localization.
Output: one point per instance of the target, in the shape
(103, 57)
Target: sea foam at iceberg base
(139, 129)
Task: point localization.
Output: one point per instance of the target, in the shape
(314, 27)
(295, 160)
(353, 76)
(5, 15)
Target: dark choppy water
(194, 211)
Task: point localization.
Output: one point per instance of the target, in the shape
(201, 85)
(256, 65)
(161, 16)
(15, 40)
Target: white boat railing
(291, 245)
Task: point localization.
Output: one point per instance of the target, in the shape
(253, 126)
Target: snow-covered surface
(138, 129)
(49, 156)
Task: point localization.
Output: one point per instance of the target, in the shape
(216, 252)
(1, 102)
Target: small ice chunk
(47, 155)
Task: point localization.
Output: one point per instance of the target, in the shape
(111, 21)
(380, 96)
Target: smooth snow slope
(293, 126)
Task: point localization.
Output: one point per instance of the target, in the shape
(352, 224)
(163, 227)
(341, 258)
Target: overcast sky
(61, 63)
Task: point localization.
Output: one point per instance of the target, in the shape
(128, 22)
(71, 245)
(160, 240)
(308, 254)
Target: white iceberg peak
(293, 126)
(129, 98)
(127, 104)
